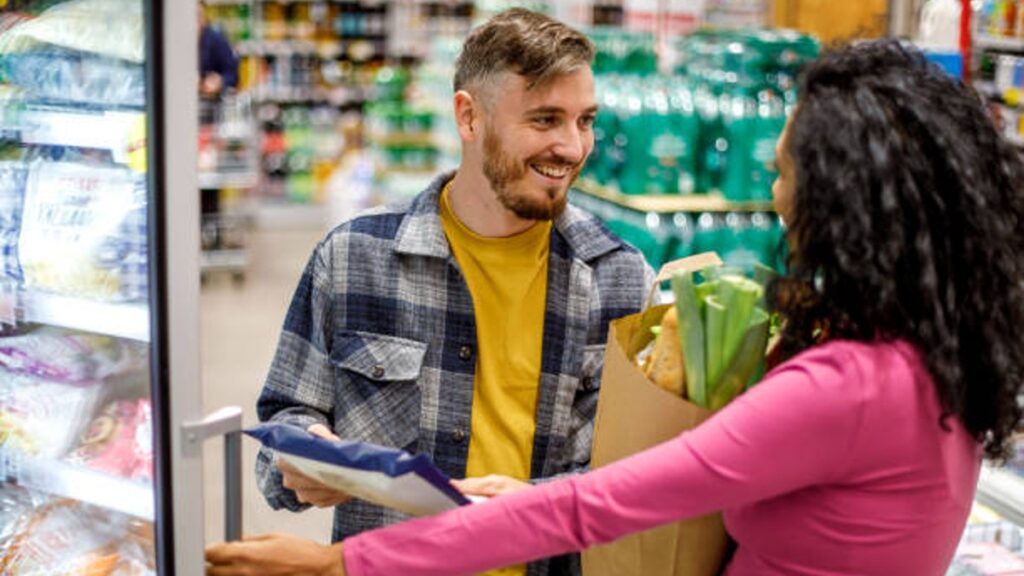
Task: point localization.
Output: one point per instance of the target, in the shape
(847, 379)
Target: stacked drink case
(712, 125)
(73, 225)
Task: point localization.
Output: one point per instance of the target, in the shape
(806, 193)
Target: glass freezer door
(86, 358)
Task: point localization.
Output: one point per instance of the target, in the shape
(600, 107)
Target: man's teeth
(551, 171)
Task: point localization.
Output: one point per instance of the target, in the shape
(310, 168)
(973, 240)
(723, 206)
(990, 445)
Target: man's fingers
(287, 468)
(220, 553)
(323, 432)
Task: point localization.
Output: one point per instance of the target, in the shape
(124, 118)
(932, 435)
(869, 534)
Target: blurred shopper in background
(218, 64)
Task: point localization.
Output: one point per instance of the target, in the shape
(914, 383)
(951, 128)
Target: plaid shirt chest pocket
(377, 394)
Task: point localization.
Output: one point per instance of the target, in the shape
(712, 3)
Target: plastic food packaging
(64, 356)
(118, 441)
(83, 231)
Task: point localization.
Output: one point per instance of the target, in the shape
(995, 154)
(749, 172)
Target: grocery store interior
(320, 109)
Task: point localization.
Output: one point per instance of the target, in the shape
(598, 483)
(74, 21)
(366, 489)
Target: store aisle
(240, 326)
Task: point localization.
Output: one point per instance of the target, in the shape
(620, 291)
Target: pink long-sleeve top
(835, 464)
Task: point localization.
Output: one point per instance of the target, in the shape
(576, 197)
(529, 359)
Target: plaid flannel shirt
(379, 344)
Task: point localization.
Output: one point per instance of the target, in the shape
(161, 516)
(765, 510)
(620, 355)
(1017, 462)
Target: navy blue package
(386, 476)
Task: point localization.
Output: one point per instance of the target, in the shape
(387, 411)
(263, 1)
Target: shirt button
(458, 435)
(465, 353)
(377, 371)
(588, 383)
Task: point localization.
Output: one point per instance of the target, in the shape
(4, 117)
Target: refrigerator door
(98, 288)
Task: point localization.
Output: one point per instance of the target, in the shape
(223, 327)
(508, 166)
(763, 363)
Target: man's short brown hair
(532, 45)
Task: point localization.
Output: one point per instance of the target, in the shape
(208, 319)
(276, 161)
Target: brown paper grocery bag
(633, 414)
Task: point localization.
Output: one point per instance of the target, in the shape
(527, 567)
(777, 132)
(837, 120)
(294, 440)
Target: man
(218, 64)
(468, 324)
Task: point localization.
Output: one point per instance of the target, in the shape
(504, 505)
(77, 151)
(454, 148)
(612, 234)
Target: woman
(860, 453)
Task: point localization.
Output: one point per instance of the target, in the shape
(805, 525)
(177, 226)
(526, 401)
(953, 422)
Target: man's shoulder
(380, 223)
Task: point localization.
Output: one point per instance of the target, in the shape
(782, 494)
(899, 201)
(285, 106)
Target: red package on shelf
(119, 441)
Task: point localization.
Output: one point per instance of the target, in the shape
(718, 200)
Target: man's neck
(477, 207)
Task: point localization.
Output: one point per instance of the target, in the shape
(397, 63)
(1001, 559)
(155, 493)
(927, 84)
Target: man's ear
(468, 113)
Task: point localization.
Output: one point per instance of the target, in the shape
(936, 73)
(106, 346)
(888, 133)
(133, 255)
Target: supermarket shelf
(105, 130)
(1003, 491)
(668, 203)
(113, 319)
(89, 486)
(277, 47)
(336, 97)
(217, 180)
(403, 139)
(999, 43)
(223, 260)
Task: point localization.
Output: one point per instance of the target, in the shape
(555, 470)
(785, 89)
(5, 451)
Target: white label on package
(71, 235)
(407, 493)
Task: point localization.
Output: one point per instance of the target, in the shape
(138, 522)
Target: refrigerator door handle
(225, 422)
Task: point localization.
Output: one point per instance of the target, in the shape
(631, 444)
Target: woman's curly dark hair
(908, 223)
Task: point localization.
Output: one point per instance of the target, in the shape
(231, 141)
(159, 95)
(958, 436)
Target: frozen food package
(49, 74)
(118, 441)
(63, 355)
(16, 508)
(110, 28)
(67, 538)
(12, 190)
(83, 231)
(41, 419)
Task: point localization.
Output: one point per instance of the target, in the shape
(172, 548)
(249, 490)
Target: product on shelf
(1001, 18)
(39, 418)
(119, 441)
(12, 190)
(83, 231)
(65, 75)
(83, 51)
(61, 355)
(65, 538)
(16, 509)
(711, 126)
(105, 27)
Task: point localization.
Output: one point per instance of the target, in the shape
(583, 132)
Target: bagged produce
(658, 383)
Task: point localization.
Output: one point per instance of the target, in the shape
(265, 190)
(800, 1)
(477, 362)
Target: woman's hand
(274, 555)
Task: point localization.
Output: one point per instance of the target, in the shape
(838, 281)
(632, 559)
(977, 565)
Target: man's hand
(308, 490)
(211, 84)
(274, 555)
(489, 486)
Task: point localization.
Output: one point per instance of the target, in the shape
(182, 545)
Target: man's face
(536, 141)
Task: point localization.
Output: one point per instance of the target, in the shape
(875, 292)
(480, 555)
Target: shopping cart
(224, 243)
(228, 168)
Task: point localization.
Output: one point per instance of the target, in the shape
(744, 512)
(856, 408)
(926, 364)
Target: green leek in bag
(723, 333)
(691, 335)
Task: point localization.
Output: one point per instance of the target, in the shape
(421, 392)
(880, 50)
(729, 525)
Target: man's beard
(503, 172)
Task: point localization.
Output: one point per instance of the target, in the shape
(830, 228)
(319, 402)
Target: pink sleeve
(792, 430)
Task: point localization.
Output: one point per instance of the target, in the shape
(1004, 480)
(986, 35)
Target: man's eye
(545, 121)
(587, 121)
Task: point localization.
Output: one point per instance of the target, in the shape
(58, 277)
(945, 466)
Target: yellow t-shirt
(507, 278)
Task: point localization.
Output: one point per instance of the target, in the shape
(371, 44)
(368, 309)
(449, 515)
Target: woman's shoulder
(873, 363)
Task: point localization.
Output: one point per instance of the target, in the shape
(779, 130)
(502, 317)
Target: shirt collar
(421, 232)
